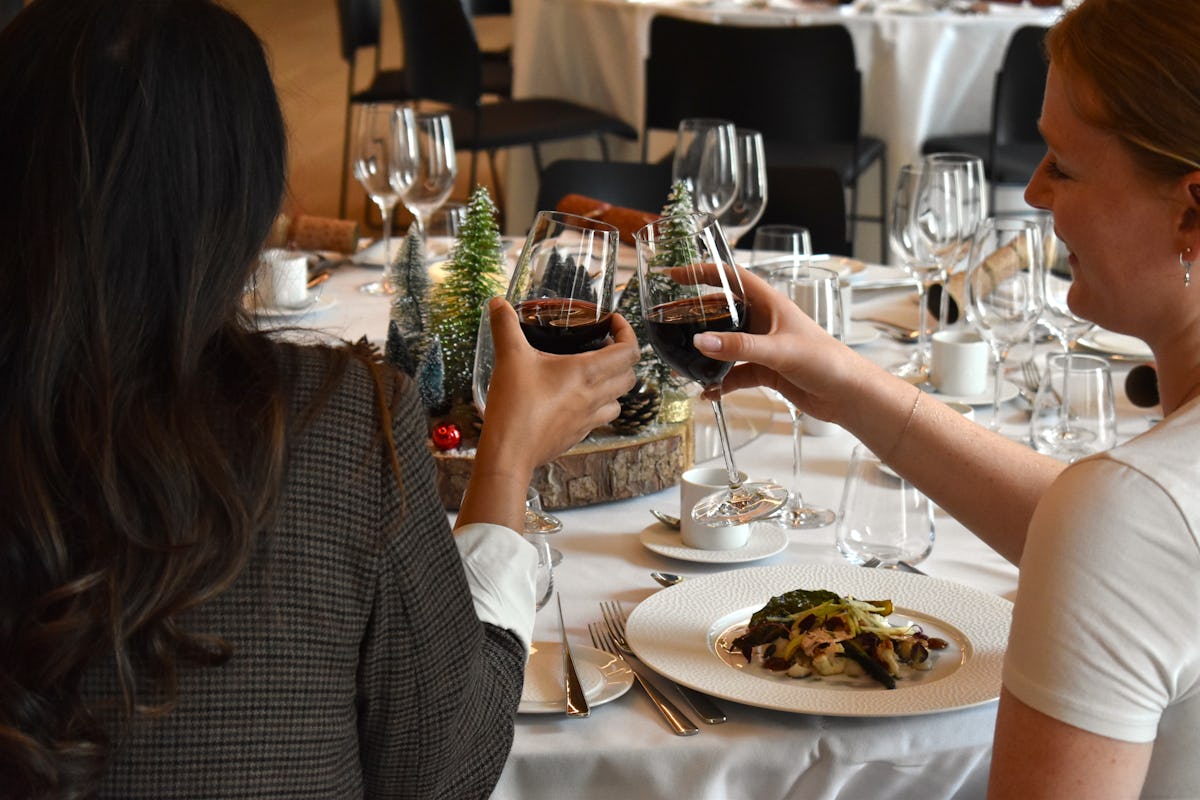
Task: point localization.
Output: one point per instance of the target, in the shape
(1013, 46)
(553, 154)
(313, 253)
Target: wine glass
(1004, 288)
(562, 286)
(924, 233)
(971, 193)
(425, 166)
(689, 284)
(750, 200)
(882, 516)
(374, 156)
(816, 292)
(706, 160)
(778, 246)
(539, 526)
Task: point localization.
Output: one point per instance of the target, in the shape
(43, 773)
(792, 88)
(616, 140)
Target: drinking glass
(377, 127)
(1074, 413)
(706, 160)
(777, 246)
(816, 292)
(971, 196)
(1004, 289)
(750, 200)
(924, 233)
(425, 166)
(539, 527)
(882, 515)
(689, 284)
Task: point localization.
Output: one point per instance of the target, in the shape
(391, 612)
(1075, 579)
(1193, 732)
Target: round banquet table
(624, 749)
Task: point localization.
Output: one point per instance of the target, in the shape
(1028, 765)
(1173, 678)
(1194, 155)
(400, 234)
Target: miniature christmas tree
(650, 368)
(473, 275)
(409, 324)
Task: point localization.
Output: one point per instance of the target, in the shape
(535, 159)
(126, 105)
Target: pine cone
(639, 408)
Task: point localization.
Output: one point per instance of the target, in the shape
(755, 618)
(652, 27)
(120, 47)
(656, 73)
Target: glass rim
(576, 221)
(829, 274)
(1080, 362)
(705, 219)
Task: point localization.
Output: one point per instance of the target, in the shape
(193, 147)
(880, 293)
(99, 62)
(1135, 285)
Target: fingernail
(707, 342)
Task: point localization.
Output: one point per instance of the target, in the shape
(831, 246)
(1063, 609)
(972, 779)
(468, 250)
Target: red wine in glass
(671, 326)
(564, 326)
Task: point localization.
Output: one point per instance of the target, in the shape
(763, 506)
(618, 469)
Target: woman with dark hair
(1101, 683)
(224, 569)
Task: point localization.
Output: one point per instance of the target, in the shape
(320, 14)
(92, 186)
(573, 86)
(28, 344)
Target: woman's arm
(539, 406)
(1036, 756)
(988, 482)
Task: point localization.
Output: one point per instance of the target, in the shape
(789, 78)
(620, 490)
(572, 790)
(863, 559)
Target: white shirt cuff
(501, 571)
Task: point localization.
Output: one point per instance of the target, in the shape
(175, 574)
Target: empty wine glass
(816, 292)
(778, 246)
(1004, 289)
(706, 160)
(374, 157)
(882, 515)
(689, 284)
(539, 527)
(425, 166)
(750, 200)
(924, 234)
(971, 196)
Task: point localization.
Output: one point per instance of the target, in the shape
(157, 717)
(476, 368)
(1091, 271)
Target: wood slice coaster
(603, 467)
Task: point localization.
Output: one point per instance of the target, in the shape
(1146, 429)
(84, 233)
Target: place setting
(281, 288)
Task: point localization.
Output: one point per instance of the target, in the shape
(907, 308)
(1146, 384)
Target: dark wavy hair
(142, 421)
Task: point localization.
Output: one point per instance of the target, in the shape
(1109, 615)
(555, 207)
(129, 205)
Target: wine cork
(324, 233)
(996, 267)
(582, 205)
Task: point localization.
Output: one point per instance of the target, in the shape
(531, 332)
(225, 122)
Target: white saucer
(317, 304)
(766, 539)
(1116, 344)
(858, 333)
(1008, 390)
(604, 678)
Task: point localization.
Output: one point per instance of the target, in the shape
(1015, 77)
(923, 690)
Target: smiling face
(1123, 226)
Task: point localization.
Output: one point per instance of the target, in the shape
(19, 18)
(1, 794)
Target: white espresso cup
(695, 485)
(282, 279)
(958, 363)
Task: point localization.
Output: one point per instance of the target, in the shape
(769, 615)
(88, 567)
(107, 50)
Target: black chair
(799, 85)
(443, 64)
(622, 183)
(813, 197)
(1013, 148)
(359, 26)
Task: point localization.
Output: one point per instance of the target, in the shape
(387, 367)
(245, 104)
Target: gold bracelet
(912, 412)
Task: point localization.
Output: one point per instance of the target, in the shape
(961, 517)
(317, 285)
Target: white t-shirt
(1106, 627)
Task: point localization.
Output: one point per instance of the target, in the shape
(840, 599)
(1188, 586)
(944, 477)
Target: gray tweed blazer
(359, 666)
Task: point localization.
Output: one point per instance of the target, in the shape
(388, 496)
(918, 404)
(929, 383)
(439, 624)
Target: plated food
(806, 632)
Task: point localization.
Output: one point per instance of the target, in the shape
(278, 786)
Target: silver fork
(674, 717)
(614, 618)
(1031, 374)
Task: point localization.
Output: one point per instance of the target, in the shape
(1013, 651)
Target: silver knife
(577, 705)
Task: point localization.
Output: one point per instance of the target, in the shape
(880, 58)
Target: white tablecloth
(624, 750)
(923, 74)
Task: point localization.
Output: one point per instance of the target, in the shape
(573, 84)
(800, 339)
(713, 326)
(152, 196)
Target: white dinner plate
(678, 632)
(766, 539)
(317, 304)
(858, 333)
(604, 678)
(1116, 344)
(1008, 390)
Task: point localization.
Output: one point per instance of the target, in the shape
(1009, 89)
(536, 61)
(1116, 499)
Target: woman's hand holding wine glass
(690, 285)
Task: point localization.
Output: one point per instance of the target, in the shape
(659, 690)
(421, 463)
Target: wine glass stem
(1065, 413)
(923, 320)
(734, 476)
(385, 210)
(998, 357)
(796, 501)
(418, 223)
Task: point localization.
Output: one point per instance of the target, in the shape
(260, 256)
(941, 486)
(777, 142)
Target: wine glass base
(805, 518)
(556, 556)
(377, 288)
(746, 503)
(915, 370)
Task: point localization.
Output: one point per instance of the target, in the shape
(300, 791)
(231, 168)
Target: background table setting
(925, 739)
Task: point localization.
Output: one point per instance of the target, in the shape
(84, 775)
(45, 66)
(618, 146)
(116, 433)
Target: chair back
(1020, 87)
(621, 183)
(813, 197)
(442, 61)
(798, 84)
(358, 24)
(481, 8)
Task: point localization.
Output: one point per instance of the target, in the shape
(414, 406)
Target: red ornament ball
(447, 436)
